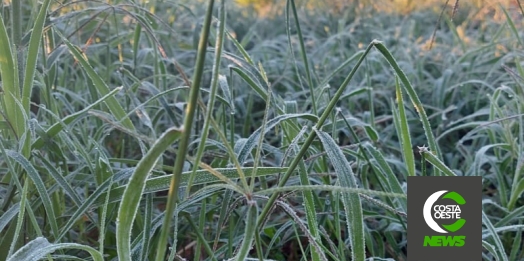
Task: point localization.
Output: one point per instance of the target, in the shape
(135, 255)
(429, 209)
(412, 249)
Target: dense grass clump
(195, 130)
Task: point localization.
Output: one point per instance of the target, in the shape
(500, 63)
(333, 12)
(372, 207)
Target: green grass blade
(212, 95)
(352, 204)
(10, 85)
(517, 243)
(184, 141)
(302, 50)
(102, 218)
(40, 187)
(491, 249)
(405, 136)
(32, 55)
(509, 217)
(133, 192)
(318, 250)
(512, 26)
(250, 230)
(244, 150)
(499, 247)
(437, 163)
(8, 215)
(265, 211)
(60, 180)
(115, 107)
(412, 95)
(57, 127)
(202, 176)
(251, 81)
(20, 219)
(516, 191)
(386, 176)
(86, 204)
(309, 208)
(40, 247)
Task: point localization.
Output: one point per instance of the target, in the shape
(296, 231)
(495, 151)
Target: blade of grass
(133, 192)
(186, 134)
(20, 219)
(40, 187)
(512, 26)
(412, 95)
(250, 230)
(9, 214)
(302, 50)
(32, 55)
(431, 158)
(203, 176)
(499, 247)
(265, 211)
(405, 136)
(201, 238)
(57, 127)
(40, 247)
(102, 88)
(352, 203)
(10, 83)
(212, 95)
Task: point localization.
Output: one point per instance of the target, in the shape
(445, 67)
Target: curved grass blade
(102, 88)
(40, 247)
(256, 87)
(203, 176)
(352, 203)
(317, 250)
(491, 249)
(386, 175)
(250, 230)
(269, 205)
(516, 191)
(412, 95)
(133, 192)
(226, 90)
(499, 247)
(20, 219)
(245, 149)
(40, 187)
(8, 215)
(57, 127)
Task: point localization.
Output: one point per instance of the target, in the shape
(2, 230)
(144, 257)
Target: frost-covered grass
(284, 135)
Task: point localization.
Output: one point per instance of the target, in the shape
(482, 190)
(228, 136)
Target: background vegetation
(262, 130)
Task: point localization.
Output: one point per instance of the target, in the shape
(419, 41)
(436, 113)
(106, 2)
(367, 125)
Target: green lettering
(431, 241)
(438, 241)
(459, 240)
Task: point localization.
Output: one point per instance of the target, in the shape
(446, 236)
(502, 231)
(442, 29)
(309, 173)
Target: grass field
(262, 130)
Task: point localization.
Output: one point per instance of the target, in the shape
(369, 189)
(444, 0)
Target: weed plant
(179, 130)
